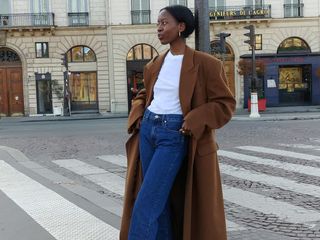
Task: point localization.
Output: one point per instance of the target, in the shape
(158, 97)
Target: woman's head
(173, 22)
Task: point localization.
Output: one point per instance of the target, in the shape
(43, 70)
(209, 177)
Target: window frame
(78, 9)
(40, 3)
(178, 2)
(70, 54)
(44, 54)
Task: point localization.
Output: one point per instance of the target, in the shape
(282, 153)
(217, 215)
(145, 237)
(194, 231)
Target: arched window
(141, 52)
(81, 54)
(229, 55)
(293, 44)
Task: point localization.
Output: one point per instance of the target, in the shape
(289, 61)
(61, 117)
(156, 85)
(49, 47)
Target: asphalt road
(270, 172)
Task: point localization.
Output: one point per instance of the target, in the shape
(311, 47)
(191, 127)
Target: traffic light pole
(67, 99)
(202, 38)
(254, 113)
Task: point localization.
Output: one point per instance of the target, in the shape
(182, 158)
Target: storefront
(289, 78)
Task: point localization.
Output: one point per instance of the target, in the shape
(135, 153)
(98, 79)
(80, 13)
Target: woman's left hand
(185, 130)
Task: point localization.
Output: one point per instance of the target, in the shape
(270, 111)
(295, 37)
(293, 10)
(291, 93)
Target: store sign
(240, 13)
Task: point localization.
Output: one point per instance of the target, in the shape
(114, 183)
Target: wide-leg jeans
(162, 150)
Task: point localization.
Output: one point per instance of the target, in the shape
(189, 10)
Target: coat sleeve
(137, 110)
(219, 106)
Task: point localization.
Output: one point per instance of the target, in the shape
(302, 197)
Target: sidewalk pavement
(271, 114)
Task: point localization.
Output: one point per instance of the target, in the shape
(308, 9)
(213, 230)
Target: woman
(173, 188)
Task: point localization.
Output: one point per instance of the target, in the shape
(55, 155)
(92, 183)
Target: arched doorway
(295, 80)
(137, 57)
(83, 82)
(11, 84)
(228, 59)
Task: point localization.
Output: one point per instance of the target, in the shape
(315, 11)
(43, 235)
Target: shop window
(81, 54)
(293, 44)
(42, 50)
(141, 52)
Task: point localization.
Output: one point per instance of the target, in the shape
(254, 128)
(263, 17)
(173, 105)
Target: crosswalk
(252, 176)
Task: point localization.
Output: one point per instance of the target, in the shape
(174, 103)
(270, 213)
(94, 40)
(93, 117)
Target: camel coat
(207, 104)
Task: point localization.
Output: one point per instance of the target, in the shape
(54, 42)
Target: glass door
(44, 96)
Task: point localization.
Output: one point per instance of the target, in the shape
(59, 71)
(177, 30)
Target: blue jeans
(162, 150)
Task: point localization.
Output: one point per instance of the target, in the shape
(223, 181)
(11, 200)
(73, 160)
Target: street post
(202, 38)
(67, 100)
(254, 94)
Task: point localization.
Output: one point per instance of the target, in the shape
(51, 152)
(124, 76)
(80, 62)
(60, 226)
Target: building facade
(34, 37)
(287, 49)
(107, 43)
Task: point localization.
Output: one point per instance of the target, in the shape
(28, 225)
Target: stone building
(107, 43)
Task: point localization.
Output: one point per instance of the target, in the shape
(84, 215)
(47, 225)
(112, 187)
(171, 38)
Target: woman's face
(168, 27)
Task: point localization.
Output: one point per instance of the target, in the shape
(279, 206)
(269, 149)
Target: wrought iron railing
(140, 16)
(26, 20)
(240, 12)
(293, 10)
(78, 19)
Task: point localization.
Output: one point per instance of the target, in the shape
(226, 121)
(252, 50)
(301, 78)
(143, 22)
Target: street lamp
(221, 48)
(254, 95)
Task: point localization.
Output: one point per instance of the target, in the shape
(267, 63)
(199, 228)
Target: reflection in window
(141, 52)
(293, 44)
(83, 87)
(81, 54)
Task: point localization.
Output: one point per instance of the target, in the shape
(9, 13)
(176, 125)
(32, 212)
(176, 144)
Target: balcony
(26, 20)
(140, 16)
(240, 12)
(78, 19)
(293, 10)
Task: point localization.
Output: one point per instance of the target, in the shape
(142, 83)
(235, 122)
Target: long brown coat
(207, 104)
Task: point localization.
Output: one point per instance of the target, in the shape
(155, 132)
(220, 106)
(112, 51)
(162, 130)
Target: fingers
(185, 132)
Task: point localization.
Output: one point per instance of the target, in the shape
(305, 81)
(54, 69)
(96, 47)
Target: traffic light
(64, 60)
(252, 36)
(222, 41)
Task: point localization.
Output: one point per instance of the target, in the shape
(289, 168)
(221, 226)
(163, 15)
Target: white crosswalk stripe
(61, 218)
(72, 218)
(307, 170)
(119, 160)
(257, 202)
(280, 182)
(101, 177)
(301, 146)
(281, 153)
(108, 180)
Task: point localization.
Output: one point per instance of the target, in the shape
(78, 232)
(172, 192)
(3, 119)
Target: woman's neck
(178, 47)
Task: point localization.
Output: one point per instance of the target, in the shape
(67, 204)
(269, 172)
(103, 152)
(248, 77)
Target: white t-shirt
(166, 90)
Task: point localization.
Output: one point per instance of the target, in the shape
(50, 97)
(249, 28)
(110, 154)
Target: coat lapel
(188, 78)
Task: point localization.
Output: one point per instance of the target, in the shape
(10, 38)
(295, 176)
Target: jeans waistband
(148, 115)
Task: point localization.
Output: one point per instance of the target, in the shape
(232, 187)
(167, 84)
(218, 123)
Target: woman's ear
(182, 27)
